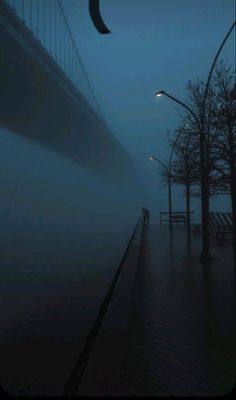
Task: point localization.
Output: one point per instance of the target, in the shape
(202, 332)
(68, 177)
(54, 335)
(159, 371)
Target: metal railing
(75, 378)
(47, 21)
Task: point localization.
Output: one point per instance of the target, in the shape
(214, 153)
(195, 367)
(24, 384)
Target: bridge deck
(181, 334)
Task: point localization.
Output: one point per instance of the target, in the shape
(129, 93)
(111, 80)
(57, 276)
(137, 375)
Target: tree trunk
(233, 188)
(207, 203)
(188, 204)
(233, 202)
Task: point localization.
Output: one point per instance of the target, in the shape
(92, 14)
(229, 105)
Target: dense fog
(63, 233)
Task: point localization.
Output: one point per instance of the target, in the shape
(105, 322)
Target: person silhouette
(146, 215)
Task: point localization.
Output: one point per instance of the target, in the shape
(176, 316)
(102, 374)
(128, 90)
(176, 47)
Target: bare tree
(219, 136)
(211, 129)
(185, 166)
(225, 144)
(219, 132)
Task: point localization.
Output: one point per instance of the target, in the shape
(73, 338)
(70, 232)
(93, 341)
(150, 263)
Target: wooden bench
(220, 223)
(177, 217)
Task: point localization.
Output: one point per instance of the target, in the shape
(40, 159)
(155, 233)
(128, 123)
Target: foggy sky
(153, 45)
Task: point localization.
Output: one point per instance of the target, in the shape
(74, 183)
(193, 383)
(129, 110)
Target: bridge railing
(47, 21)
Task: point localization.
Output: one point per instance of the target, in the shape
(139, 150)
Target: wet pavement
(181, 332)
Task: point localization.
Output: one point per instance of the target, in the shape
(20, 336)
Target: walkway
(181, 335)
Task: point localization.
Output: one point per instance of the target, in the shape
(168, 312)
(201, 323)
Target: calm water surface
(51, 290)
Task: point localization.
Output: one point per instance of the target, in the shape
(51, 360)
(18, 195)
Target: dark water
(51, 289)
(63, 231)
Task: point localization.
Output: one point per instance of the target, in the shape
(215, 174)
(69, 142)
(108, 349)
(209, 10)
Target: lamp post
(204, 179)
(168, 172)
(205, 256)
(94, 11)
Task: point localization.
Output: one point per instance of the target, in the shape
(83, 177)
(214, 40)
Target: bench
(177, 217)
(220, 223)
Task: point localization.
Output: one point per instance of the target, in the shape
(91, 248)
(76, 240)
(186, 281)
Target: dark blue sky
(154, 44)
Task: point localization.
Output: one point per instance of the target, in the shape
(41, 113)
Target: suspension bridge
(46, 95)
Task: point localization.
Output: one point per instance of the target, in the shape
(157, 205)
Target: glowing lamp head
(160, 93)
(151, 158)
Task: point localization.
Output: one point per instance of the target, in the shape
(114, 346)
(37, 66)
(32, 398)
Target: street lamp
(158, 94)
(204, 171)
(94, 11)
(204, 178)
(168, 172)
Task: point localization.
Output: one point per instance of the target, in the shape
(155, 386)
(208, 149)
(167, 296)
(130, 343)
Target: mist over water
(63, 234)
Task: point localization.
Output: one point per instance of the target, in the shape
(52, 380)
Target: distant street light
(204, 172)
(168, 173)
